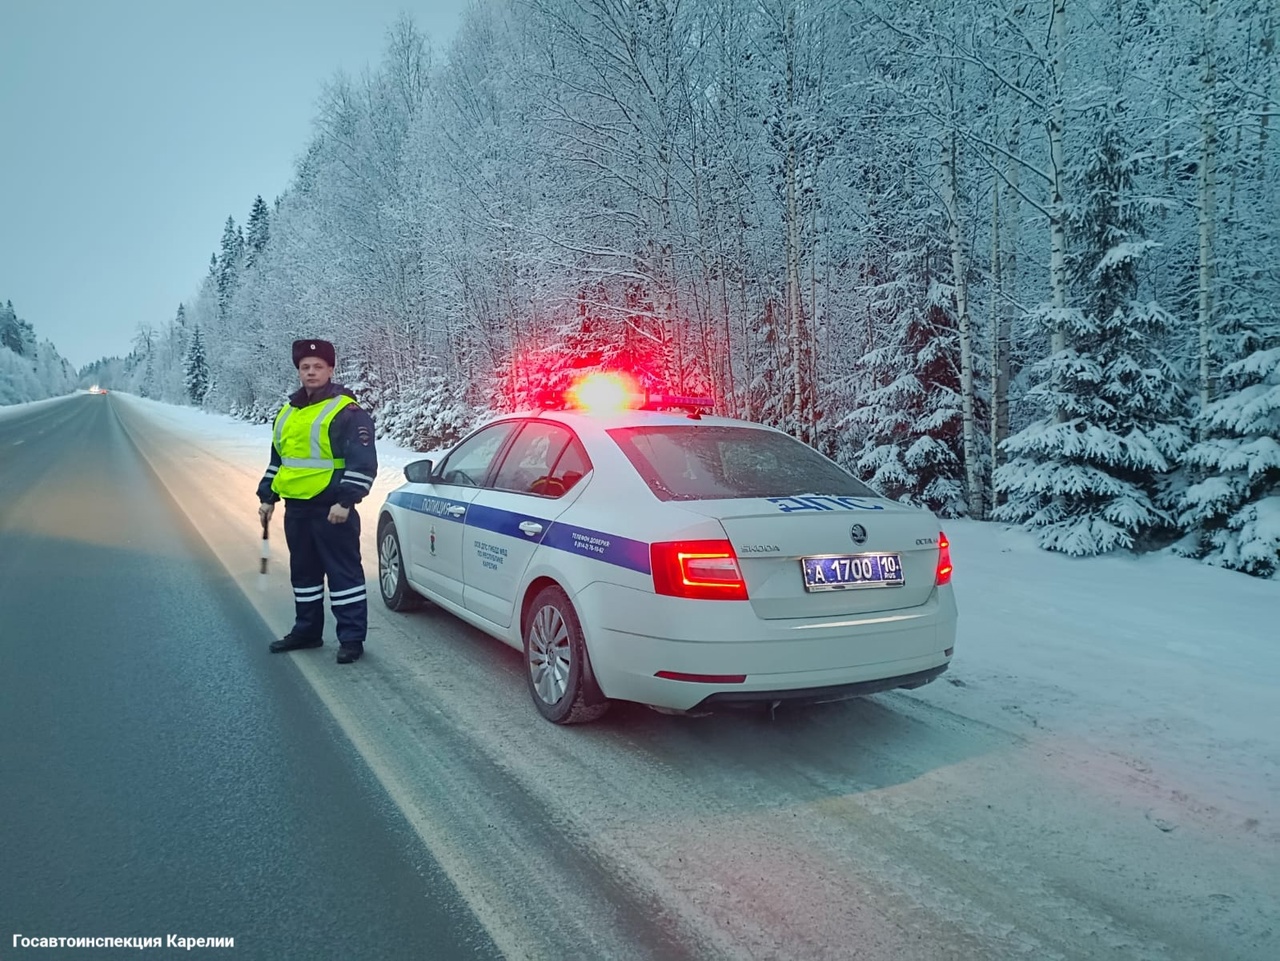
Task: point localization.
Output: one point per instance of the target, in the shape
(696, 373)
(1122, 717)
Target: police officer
(323, 462)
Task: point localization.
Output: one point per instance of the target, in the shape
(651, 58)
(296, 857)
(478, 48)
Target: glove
(339, 514)
(265, 511)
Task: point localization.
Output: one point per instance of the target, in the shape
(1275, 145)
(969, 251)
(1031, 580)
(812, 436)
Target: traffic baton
(266, 554)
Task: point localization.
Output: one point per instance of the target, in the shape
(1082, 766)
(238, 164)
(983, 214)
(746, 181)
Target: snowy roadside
(26, 407)
(1165, 665)
(1169, 667)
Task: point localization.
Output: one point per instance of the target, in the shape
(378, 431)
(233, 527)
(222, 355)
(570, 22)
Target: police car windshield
(705, 462)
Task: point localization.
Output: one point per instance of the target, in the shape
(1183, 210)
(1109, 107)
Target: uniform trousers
(320, 551)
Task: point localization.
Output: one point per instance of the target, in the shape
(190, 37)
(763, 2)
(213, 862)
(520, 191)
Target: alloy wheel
(550, 654)
(389, 564)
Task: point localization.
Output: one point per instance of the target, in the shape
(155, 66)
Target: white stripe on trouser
(304, 595)
(351, 595)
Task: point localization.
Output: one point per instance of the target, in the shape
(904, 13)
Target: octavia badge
(858, 533)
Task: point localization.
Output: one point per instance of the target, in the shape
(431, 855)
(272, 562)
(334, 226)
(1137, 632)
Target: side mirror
(418, 472)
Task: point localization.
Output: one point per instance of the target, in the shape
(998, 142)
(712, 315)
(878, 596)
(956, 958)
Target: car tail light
(705, 570)
(944, 560)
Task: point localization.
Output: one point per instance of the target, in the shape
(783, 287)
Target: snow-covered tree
(15, 333)
(1232, 509)
(196, 369)
(29, 369)
(1089, 476)
(229, 265)
(911, 421)
(259, 232)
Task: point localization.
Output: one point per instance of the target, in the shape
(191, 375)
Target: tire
(557, 669)
(392, 584)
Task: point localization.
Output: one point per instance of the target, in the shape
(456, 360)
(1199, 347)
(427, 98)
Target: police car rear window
(704, 462)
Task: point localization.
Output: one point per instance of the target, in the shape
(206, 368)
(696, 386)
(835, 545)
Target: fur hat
(314, 348)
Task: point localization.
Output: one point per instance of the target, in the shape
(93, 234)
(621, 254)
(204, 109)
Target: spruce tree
(10, 332)
(911, 422)
(229, 266)
(1088, 476)
(197, 370)
(259, 233)
(1231, 508)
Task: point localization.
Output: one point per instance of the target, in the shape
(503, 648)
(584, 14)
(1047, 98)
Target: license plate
(850, 572)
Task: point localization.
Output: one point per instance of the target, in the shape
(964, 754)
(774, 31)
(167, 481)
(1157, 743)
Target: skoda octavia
(634, 549)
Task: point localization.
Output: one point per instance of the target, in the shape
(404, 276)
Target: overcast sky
(131, 129)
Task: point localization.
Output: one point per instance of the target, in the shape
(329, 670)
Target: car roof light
(603, 393)
(612, 392)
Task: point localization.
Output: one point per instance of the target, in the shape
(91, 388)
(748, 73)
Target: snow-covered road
(1096, 777)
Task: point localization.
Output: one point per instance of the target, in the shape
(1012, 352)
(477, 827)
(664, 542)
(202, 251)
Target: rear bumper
(633, 635)
(818, 695)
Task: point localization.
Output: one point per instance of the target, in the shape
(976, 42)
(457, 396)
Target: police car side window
(532, 463)
(469, 462)
(571, 468)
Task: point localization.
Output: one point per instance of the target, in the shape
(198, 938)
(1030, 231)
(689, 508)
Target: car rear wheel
(558, 671)
(394, 587)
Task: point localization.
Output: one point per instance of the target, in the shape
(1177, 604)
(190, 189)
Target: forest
(1013, 261)
(30, 369)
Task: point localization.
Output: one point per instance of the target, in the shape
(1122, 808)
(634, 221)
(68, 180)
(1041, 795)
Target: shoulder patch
(364, 435)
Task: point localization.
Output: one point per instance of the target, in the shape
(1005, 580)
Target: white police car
(668, 558)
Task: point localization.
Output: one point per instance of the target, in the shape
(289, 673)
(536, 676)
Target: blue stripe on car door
(583, 541)
(423, 504)
(600, 546)
(503, 522)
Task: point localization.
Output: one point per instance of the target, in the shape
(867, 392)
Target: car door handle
(455, 511)
(532, 528)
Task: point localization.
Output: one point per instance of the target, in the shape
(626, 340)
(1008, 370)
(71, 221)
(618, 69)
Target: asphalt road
(160, 773)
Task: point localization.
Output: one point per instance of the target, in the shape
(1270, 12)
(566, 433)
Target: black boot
(292, 642)
(347, 653)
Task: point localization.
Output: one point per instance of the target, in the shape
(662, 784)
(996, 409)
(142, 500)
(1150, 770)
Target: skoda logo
(858, 533)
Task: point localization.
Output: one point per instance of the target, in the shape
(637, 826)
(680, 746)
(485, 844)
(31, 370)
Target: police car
(634, 549)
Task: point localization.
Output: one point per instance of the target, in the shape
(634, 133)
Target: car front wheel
(394, 587)
(558, 672)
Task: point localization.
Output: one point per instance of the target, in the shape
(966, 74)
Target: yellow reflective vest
(306, 454)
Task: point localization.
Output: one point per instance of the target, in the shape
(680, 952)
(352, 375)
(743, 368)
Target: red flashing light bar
(604, 392)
